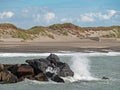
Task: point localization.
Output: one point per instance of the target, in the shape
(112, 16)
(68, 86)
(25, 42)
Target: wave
(80, 63)
(38, 82)
(60, 53)
(81, 68)
(28, 54)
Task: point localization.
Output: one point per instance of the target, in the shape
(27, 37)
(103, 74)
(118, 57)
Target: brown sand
(62, 45)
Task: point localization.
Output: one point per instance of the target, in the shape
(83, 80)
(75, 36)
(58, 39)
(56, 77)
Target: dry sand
(63, 44)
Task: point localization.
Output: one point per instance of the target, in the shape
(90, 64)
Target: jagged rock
(41, 77)
(36, 69)
(56, 78)
(49, 74)
(1, 67)
(13, 68)
(25, 71)
(39, 65)
(53, 59)
(64, 70)
(7, 77)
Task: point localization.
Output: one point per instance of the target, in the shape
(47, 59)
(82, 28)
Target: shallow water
(89, 68)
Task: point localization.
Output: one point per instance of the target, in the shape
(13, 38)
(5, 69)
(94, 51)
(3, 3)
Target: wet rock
(36, 69)
(56, 78)
(1, 67)
(53, 59)
(105, 77)
(49, 74)
(7, 77)
(13, 68)
(25, 71)
(64, 70)
(41, 77)
(39, 65)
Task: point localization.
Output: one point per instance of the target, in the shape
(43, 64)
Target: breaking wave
(81, 68)
(80, 63)
(62, 53)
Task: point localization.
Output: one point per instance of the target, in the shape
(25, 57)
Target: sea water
(88, 69)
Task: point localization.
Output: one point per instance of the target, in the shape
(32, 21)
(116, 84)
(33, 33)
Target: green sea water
(89, 68)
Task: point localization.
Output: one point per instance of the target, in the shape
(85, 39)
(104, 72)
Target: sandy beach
(60, 45)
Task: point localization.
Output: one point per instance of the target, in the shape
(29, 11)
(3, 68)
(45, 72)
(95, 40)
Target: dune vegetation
(8, 30)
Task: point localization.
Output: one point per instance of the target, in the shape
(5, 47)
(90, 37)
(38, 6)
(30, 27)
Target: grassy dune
(8, 30)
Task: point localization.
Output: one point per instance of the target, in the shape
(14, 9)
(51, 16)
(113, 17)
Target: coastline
(53, 46)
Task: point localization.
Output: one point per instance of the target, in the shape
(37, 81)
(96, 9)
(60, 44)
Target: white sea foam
(81, 68)
(28, 54)
(80, 63)
(38, 82)
(62, 53)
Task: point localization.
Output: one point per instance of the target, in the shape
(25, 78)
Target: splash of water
(81, 67)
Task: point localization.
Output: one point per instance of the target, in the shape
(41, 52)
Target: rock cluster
(41, 69)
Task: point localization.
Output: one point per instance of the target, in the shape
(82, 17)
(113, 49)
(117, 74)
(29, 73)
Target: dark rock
(53, 59)
(41, 77)
(13, 68)
(36, 69)
(25, 71)
(105, 77)
(1, 67)
(49, 74)
(6, 66)
(7, 77)
(39, 65)
(64, 70)
(56, 78)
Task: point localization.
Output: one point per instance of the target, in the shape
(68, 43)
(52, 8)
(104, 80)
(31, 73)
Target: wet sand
(80, 45)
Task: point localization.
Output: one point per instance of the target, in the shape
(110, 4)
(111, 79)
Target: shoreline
(41, 47)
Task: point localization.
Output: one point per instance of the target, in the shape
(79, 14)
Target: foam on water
(81, 68)
(28, 54)
(80, 63)
(59, 53)
(38, 82)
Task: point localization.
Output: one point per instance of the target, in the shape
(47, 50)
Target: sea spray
(81, 67)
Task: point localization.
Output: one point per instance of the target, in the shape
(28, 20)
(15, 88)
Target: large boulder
(61, 68)
(13, 68)
(56, 78)
(7, 77)
(53, 59)
(49, 74)
(36, 69)
(39, 65)
(25, 71)
(64, 70)
(41, 77)
(1, 67)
